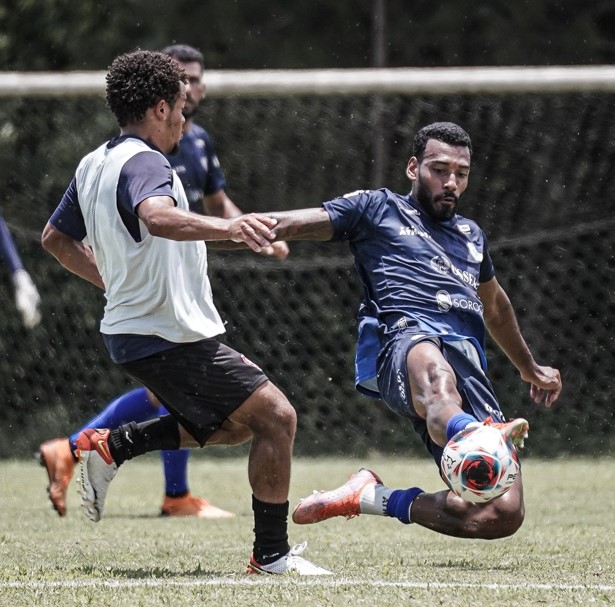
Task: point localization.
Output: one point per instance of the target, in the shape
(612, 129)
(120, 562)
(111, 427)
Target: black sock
(130, 440)
(270, 531)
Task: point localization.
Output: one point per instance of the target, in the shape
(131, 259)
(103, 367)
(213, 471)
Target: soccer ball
(479, 464)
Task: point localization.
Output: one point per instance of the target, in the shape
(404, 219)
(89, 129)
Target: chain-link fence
(540, 188)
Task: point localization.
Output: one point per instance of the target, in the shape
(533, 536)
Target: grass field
(563, 555)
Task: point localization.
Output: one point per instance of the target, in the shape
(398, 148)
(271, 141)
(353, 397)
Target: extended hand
(27, 299)
(546, 385)
(279, 250)
(254, 230)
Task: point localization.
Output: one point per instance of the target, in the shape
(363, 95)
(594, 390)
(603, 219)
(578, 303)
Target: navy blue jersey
(417, 274)
(197, 166)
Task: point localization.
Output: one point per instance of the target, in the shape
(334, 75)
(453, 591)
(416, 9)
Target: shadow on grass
(149, 573)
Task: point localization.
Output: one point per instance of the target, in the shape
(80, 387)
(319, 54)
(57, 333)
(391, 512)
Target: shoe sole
(86, 490)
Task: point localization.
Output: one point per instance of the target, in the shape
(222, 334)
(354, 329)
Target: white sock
(374, 499)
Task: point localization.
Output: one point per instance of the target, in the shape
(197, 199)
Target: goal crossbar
(442, 81)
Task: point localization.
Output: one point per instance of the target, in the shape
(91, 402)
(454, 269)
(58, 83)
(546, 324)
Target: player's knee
(502, 518)
(274, 415)
(509, 522)
(283, 416)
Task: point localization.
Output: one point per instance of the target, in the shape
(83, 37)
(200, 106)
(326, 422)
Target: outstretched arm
(163, 219)
(219, 204)
(502, 324)
(303, 224)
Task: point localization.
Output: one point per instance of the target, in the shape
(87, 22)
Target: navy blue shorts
(477, 395)
(200, 383)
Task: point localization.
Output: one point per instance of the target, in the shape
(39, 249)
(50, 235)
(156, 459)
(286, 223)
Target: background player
(27, 299)
(198, 167)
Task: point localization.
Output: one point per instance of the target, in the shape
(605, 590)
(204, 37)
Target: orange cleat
(516, 430)
(343, 501)
(57, 458)
(188, 505)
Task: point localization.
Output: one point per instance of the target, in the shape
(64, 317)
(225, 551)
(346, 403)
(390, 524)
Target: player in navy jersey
(27, 299)
(429, 297)
(124, 225)
(198, 167)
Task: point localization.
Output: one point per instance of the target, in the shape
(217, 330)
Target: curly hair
(446, 132)
(136, 81)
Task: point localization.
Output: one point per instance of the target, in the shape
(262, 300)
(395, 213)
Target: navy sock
(175, 464)
(133, 406)
(457, 423)
(399, 503)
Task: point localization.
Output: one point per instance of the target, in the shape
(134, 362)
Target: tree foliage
(236, 34)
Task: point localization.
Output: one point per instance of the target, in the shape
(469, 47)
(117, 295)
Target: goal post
(410, 81)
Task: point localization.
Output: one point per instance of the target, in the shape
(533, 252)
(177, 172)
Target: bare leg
(271, 420)
(433, 387)
(446, 513)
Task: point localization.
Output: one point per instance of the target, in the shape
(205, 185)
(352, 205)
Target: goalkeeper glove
(27, 299)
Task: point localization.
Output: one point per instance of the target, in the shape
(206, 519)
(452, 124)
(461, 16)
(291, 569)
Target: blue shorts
(477, 395)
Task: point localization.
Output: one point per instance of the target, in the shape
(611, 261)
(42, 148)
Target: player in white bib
(124, 225)
(197, 166)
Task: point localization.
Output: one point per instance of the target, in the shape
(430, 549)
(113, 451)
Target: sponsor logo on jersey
(247, 361)
(464, 228)
(443, 264)
(445, 302)
(355, 193)
(402, 323)
(401, 386)
(496, 414)
(475, 254)
(413, 231)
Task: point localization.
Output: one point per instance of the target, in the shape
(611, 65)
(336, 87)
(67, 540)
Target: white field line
(293, 581)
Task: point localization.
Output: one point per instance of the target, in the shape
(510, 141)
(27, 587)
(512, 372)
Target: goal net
(544, 144)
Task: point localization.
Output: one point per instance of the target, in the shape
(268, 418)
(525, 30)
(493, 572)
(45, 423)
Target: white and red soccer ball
(479, 464)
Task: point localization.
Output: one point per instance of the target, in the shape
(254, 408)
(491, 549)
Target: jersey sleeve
(145, 175)
(67, 218)
(214, 178)
(487, 271)
(351, 214)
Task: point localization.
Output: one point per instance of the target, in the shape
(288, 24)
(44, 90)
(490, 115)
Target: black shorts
(477, 395)
(200, 383)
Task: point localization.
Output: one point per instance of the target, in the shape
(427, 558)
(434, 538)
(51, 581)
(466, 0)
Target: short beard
(428, 204)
